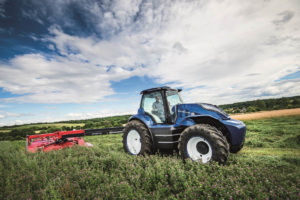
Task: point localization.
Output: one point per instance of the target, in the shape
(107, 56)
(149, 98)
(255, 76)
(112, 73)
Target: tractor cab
(159, 104)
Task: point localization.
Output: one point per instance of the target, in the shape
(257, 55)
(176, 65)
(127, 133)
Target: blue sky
(62, 60)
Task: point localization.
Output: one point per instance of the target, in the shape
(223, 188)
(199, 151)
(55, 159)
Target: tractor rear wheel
(137, 139)
(204, 143)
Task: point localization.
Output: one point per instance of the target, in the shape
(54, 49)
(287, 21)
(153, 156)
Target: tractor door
(155, 106)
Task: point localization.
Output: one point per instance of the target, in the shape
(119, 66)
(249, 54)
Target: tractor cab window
(173, 98)
(153, 104)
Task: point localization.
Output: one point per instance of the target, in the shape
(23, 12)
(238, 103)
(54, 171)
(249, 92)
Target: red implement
(55, 141)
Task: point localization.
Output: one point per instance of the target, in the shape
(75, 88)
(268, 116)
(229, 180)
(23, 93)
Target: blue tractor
(199, 131)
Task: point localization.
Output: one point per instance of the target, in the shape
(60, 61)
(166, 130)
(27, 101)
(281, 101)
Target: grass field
(266, 114)
(268, 167)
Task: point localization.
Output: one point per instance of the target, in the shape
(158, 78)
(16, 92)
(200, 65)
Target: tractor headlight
(214, 108)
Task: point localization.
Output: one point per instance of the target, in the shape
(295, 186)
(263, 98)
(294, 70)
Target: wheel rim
(134, 144)
(199, 149)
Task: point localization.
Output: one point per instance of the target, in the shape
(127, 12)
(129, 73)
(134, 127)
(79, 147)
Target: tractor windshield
(173, 98)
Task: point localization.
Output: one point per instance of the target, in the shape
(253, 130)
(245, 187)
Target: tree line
(263, 104)
(19, 133)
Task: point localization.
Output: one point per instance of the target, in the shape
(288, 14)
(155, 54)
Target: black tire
(216, 140)
(146, 141)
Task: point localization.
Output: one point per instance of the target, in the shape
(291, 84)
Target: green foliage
(279, 132)
(42, 132)
(18, 138)
(107, 122)
(260, 104)
(270, 104)
(296, 102)
(53, 129)
(9, 138)
(284, 102)
(22, 132)
(106, 172)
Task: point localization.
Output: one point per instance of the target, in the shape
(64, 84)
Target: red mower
(63, 139)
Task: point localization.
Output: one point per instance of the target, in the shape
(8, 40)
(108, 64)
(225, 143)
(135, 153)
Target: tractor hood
(191, 109)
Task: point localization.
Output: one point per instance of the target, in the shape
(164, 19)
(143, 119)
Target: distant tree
(53, 129)
(106, 123)
(89, 124)
(270, 103)
(296, 102)
(9, 138)
(97, 124)
(284, 102)
(260, 104)
(63, 128)
(18, 137)
(249, 109)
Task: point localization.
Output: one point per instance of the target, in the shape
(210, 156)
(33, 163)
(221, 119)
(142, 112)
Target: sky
(67, 60)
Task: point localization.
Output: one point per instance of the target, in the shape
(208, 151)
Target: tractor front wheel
(137, 139)
(204, 143)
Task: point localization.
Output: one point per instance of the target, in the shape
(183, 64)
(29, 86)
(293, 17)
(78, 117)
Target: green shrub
(277, 107)
(9, 138)
(18, 138)
(53, 129)
(42, 132)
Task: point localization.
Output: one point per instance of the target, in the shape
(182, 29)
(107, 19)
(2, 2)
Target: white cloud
(4, 106)
(32, 14)
(7, 114)
(219, 51)
(2, 11)
(2, 116)
(50, 107)
(73, 115)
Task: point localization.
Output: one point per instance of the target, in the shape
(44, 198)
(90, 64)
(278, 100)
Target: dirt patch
(266, 114)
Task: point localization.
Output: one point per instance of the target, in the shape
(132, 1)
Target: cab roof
(159, 88)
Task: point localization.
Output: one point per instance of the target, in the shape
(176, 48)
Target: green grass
(106, 172)
(279, 132)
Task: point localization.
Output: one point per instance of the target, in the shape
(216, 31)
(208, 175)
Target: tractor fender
(235, 134)
(195, 119)
(147, 121)
(206, 119)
